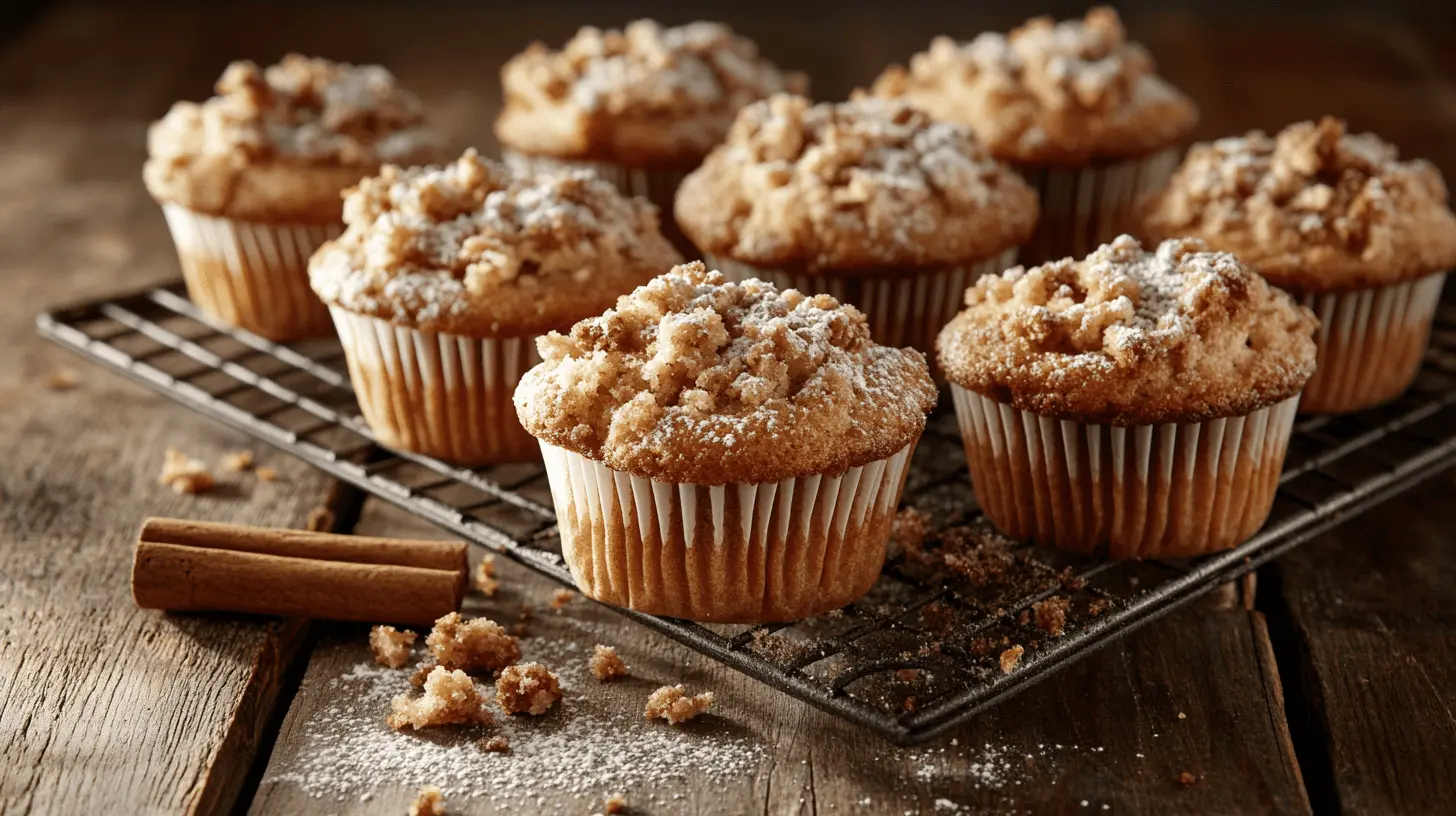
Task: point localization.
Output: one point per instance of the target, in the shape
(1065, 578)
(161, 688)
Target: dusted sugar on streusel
(637, 95)
(1049, 92)
(1128, 337)
(674, 704)
(527, 688)
(449, 698)
(868, 183)
(391, 647)
(478, 645)
(607, 665)
(472, 248)
(1313, 208)
(694, 380)
(282, 141)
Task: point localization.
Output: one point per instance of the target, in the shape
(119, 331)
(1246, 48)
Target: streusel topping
(285, 138)
(1049, 92)
(1128, 337)
(471, 248)
(694, 380)
(859, 184)
(1314, 209)
(636, 95)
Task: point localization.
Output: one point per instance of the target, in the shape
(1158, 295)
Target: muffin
(725, 451)
(870, 201)
(1073, 106)
(640, 106)
(1135, 402)
(250, 181)
(1338, 220)
(445, 276)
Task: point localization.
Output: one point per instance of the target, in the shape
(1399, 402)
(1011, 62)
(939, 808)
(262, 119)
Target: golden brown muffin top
(474, 249)
(864, 184)
(1314, 209)
(1127, 337)
(691, 379)
(281, 143)
(641, 95)
(1049, 93)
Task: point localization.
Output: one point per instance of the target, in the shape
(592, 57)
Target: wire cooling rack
(915, 656)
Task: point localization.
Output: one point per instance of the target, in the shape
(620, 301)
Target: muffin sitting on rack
(250, 181)
(1136, 401)
(446, 275)
(725, 451)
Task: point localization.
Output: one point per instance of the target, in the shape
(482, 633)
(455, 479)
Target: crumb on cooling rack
(484, 579)
(909, 529)
(1010, 657)
(606, 665)
(614, 804)
(1097, 606)
(1186, 779)
(1051, 615)
(63, 378)
(449, 698)
(184, 474)
(391, 646)
(907, 675)
(236, 461)
(477, 646)
(910, 703)
(561, 598)
(320, 519)
(428, 802)
(527, 688)
(672, 703)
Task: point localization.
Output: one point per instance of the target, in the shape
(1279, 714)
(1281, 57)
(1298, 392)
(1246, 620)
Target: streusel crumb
(1128, 337)
(691, 379)
(184, 474)
(422, 673)
(560, 598)
(484, 578)
(616, 803)
(1313, 209)
(1051, 615)
(672, 703)
(391, 647)
(1049, 92)
(868, 183)
(266, 474)
(428, 802)
(63, 378)
(449, 698)
(606, 665)
(496, 745)
(478, 646)
(1010, 658)
(237, 461)
(527, 688)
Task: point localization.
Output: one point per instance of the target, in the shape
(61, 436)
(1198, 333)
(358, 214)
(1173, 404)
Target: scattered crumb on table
(391, 646)
(1011, 657)
(63, 378)
(606, 665)
(449, 698)
(672, 703)
(527, 688)
(236, 461)
(484, 578)
(184, 474)
(478, 645)
(428, 802)
(561, 598)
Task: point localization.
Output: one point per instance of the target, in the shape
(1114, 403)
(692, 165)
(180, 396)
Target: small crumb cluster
(450, 698)
(1051, 615)
(184, 474)
(477, 646)
(428, 802)
(674, 704)
(391, 647)
(527, 688)
(484, 577)
(606, 665)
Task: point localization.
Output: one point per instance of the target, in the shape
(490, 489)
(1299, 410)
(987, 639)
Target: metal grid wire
(850, 662)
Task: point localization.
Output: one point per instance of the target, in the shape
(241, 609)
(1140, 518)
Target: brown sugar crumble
(63, 378)
(673, 704)
(496, 745)
(391, 647)
(1186, 779)
(477, 646)
(606, 665)
(428, 802)
(527, 688)
(1010, 658)
(484, 577)
(1051, 615)
(422, 672)
(266, 474)
(237, 461)
(184, 474)
(1097, 606)
(450, 698)
(561, 599)
(616, 803)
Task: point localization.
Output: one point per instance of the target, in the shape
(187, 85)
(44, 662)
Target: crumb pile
(1049, 92)
(1313, 208)
(428, 802)
(607, 665)
(643, 92)
(1128, 337)
(450, 698)
(527, 688)
(867, 183)
(691, 379)
(484, 579)
(390, 646)
(477, 646)
(674, 704)
(472, 248)
(184, 474)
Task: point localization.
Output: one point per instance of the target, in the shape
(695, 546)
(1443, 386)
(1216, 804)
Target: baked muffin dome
(474, 249)
(278, 144)
(1313, 209)
(641, 95)
(857, 185)
(694, 380)
(1128, 337)
(1049, 92)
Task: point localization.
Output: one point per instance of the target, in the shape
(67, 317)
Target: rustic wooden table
(1330, 687)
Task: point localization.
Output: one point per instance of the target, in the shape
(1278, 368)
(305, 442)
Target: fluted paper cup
(441, 395)
(1370, 343)
(1145, 491)
(903, 310)
(1083, 208)
(252, 275)
(736, 553)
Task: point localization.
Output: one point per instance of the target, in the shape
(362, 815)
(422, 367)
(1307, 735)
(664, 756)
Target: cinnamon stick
(186, 565)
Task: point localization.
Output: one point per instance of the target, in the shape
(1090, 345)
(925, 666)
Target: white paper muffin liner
(1146, 491)
(442, 395)
(252, 275)
(903, 310)
(741, 553)
(1370, 343)
(1083, 208)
